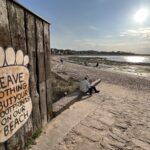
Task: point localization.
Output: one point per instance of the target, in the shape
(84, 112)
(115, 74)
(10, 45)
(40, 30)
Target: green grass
(61, 88)
(31, 141)
(143, 70)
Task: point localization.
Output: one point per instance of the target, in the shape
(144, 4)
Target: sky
(103, 25)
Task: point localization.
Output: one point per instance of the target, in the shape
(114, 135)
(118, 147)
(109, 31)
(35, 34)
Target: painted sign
(15, 101)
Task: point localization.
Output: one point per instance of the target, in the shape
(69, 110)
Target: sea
(130, 59)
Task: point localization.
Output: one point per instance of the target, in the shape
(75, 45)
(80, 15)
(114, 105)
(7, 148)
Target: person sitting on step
(86, 87)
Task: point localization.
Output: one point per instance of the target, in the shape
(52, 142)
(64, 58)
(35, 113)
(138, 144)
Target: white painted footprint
(15, 101)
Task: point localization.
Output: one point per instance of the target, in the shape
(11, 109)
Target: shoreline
(139, 69)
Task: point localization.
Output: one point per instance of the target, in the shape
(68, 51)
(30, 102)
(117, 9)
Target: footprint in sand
(15, 101)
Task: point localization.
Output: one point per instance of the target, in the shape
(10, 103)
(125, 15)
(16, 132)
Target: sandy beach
(117, 118)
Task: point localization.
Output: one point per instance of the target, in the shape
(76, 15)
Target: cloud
(108, 36)
(113, 45)
(140, 32)
(105, 45)
(93, 28)
(133, 40)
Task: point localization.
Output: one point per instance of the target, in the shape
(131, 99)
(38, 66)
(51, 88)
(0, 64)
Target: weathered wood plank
(28, 129)
(39, 35)
(17, 26)
(16, 141)
(41, 66)
(31, 45)
(17, 30)
(5, 39)
(48, 72)
(43, 104)
(2, 147)
(41, 70)
(47, 49)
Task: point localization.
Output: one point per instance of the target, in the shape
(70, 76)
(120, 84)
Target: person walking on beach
(97, 64)
(61, 60)
(61, 65)
(86, 87)
(85, 63)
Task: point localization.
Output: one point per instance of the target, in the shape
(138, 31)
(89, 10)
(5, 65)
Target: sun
(141, 15)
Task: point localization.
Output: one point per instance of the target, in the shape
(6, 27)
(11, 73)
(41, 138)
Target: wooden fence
(22, 29)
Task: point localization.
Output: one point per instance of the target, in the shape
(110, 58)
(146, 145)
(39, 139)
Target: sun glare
(141, 15)
(135, 59)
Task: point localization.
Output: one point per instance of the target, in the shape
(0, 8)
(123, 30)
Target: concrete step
(64, 103)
